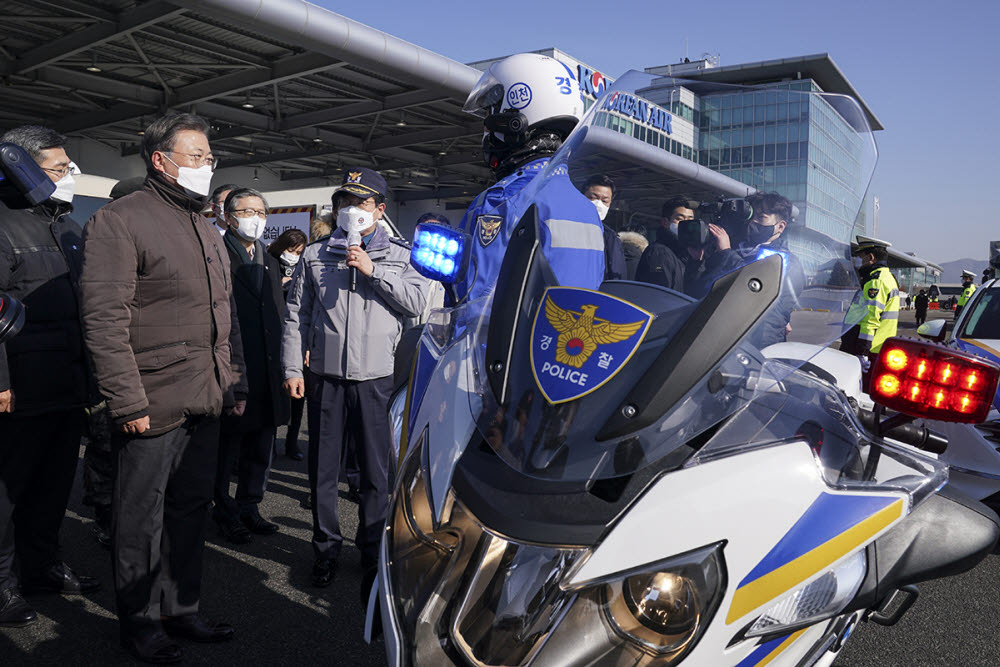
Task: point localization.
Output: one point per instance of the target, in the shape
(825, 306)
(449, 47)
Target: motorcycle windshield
(578, 384)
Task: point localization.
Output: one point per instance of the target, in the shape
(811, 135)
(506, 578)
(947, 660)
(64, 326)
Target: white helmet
(520, 96)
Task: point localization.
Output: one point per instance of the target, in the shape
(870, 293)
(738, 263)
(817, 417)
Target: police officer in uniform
(880, 295)
(350, 297)
(530, 104)
(968, 287)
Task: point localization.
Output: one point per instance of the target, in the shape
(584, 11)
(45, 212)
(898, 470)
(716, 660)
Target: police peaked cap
(867, 244)
(363, 182)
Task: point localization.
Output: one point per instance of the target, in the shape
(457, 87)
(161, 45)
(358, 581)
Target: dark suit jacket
(260, 307)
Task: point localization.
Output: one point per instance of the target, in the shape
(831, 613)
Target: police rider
(968, 287)
(530, 103)
(880, 296)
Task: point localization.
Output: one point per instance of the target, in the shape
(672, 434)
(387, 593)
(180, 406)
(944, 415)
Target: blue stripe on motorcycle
(753, 594)
(829, 516)
(981, 350)
(769, 650)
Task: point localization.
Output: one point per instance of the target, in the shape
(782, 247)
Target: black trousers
(254, 451)
(339, 411)
(163, 487)
(294, 424)
(38, 458)
(98, 460)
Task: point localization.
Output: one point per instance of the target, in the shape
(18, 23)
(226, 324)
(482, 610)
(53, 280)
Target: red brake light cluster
(933, 381)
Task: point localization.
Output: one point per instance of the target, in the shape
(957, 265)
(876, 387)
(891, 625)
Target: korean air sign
(640, 110)
(594, 84)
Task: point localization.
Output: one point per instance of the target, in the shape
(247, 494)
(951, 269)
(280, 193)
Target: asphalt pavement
(264, 590)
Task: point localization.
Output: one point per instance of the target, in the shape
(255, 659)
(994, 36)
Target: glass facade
(642, 132)
(793, 144)
(775, 138)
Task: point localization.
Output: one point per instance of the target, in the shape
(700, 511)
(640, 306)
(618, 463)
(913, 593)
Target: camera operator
(770, 215)
(660, 263)
(702, 244)
(44, 383)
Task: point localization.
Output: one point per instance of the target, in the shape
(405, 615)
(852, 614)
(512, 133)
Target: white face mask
(65, 187)
(196, 181)
(290, 258)
(355, 219)
(250, 228)
(673, 228)
(602, 208)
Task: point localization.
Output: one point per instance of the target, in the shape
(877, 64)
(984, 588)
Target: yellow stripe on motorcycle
(768, 587)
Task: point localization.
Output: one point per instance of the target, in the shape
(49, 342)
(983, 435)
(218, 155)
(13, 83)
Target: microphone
(354, 239)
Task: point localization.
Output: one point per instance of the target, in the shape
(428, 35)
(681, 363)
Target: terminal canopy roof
(288, 87)
(302, 95)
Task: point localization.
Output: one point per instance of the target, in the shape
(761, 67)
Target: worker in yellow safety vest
(880, 295)
(968, 287)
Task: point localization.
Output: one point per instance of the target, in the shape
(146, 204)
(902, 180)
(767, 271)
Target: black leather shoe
(294, 453)
(59, 578)
(233, 530)
(324, 570)
(155, 648)
(255, 522)
(197, 629)
(15, 612)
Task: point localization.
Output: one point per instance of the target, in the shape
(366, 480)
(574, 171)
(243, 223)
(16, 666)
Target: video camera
(730, 214)
(11, 316)
(22, 184)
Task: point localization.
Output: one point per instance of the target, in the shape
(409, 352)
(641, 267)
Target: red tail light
(932, 381)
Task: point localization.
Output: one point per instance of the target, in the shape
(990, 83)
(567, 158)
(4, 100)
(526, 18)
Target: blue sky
(929, 71)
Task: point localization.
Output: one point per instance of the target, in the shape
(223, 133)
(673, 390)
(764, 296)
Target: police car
(974, 451)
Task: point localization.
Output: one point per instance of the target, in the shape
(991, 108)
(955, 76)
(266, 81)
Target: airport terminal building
(297, 96)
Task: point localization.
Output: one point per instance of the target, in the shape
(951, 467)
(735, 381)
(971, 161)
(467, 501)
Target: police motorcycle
(622, 477)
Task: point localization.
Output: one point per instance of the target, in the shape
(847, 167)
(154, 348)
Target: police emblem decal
(354, 177)
(488, 228)
(872, 292)
(580, 339)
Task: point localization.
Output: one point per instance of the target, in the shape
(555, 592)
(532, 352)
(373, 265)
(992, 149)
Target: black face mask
(758, 233)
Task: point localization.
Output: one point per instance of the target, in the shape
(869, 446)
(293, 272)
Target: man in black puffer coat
(45, 385)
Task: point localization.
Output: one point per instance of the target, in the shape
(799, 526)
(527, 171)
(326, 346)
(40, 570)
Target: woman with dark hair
(287, 249)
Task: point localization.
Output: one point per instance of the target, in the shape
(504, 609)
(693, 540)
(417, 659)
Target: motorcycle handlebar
(920, 437)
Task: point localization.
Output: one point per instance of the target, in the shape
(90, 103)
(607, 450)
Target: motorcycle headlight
(823, 597)
(653, 615)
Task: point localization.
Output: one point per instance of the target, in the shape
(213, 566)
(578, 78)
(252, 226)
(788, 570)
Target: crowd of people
(174, 347)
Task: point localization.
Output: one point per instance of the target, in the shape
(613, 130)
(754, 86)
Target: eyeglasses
(368, 204)
(249, 212)
(71, 168)
(200, 160)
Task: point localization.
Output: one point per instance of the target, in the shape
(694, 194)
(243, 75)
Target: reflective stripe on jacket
(881, 295)
(966, 294)
(572, 233)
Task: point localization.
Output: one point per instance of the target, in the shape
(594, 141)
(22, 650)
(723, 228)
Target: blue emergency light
(440, 252)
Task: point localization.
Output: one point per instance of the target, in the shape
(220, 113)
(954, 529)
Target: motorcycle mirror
(934, 330)
(11, 316)
(933, 381)
(440, 252)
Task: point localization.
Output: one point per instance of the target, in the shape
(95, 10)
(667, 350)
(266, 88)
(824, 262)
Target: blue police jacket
(572, 234)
